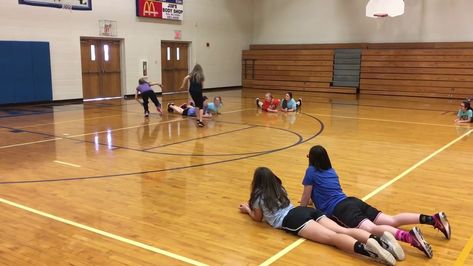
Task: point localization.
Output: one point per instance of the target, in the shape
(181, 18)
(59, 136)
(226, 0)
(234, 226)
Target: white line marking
(410, 169)
(67, 121)
(105, 131)
(68, 164)
(103, 233)
(28, 143)
(299, 241)
(386, 120)
(283, 252)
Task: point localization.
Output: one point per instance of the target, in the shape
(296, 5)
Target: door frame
(189, 61)
(122, 59)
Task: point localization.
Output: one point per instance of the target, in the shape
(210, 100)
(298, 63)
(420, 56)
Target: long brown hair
(197, 74)
(267, 187)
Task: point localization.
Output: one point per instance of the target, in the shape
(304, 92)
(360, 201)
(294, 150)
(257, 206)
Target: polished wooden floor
(174, 187)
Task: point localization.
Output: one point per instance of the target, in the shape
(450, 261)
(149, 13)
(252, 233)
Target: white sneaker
(379, 254)
(389, 243)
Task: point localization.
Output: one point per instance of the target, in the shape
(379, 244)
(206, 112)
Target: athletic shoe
(379, 254)
(159, 110)
(441, 223)
(389, 243)
(257, 102)
(200, 124)
(146, 114)
(170, 110)
(419, 242)
(300, 102)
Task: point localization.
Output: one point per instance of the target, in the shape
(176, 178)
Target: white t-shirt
(274, 218)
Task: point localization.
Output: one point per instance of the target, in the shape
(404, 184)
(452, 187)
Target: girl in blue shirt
(322, 185)
(465, 114)
(288, 104)
(269, 202)
(215, 106)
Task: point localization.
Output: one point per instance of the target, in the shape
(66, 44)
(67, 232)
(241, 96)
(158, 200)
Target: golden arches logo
(149, 9)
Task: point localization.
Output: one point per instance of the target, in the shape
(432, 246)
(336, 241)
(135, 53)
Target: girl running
(322, 185)
(269, 202)
(146, 92)
(195, 82)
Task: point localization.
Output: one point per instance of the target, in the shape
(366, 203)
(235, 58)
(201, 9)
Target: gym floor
(98, 184)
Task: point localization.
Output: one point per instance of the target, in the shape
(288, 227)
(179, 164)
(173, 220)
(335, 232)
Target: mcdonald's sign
(149, 9)
(162, 9)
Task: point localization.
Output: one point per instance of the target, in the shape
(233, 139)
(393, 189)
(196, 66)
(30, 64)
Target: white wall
(225, 24)
(344, 21)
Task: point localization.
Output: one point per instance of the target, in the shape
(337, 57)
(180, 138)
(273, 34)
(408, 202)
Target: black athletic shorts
(351, 211)
(298, 217)
(198, 99)
(185, 111)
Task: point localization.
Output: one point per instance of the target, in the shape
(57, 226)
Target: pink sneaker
(441, 223)
(419, 242)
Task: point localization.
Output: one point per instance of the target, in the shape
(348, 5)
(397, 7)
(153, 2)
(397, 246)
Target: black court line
(139, 150)
(88, 106)
(300, 141)
(230, 154)
(204, 137)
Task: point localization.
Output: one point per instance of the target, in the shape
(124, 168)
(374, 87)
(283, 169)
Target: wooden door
(174, 65)
(91, 82)
(101, 72)
(111, 74)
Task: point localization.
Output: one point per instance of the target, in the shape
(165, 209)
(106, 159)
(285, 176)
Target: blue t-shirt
(211, 107)
(326, 189)
(465, 115)
(191, 111)
(291, 104)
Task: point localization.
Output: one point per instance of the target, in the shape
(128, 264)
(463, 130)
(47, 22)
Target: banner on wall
(74, 4)
(163, 9)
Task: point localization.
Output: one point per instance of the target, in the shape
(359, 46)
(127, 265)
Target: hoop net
(67, 5)
(384, 8)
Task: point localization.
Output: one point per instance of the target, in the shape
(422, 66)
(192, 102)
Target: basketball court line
(299, 241)
(67, 121)
(28, 143)
(464, 253)
(368, 105)
(103, 233)
(66, 163)
(101, 132)
(386, 120)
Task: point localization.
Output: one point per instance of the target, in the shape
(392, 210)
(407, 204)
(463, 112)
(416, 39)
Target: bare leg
(358, 234)
(315, 231)
(198, 114)
(398, 220)
(201, 114)
(378, 230)
(318, 233)
(177, 109)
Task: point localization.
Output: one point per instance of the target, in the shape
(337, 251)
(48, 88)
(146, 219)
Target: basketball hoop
(384, 8)
(380, 15)
(67, 5)
(107, 28)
